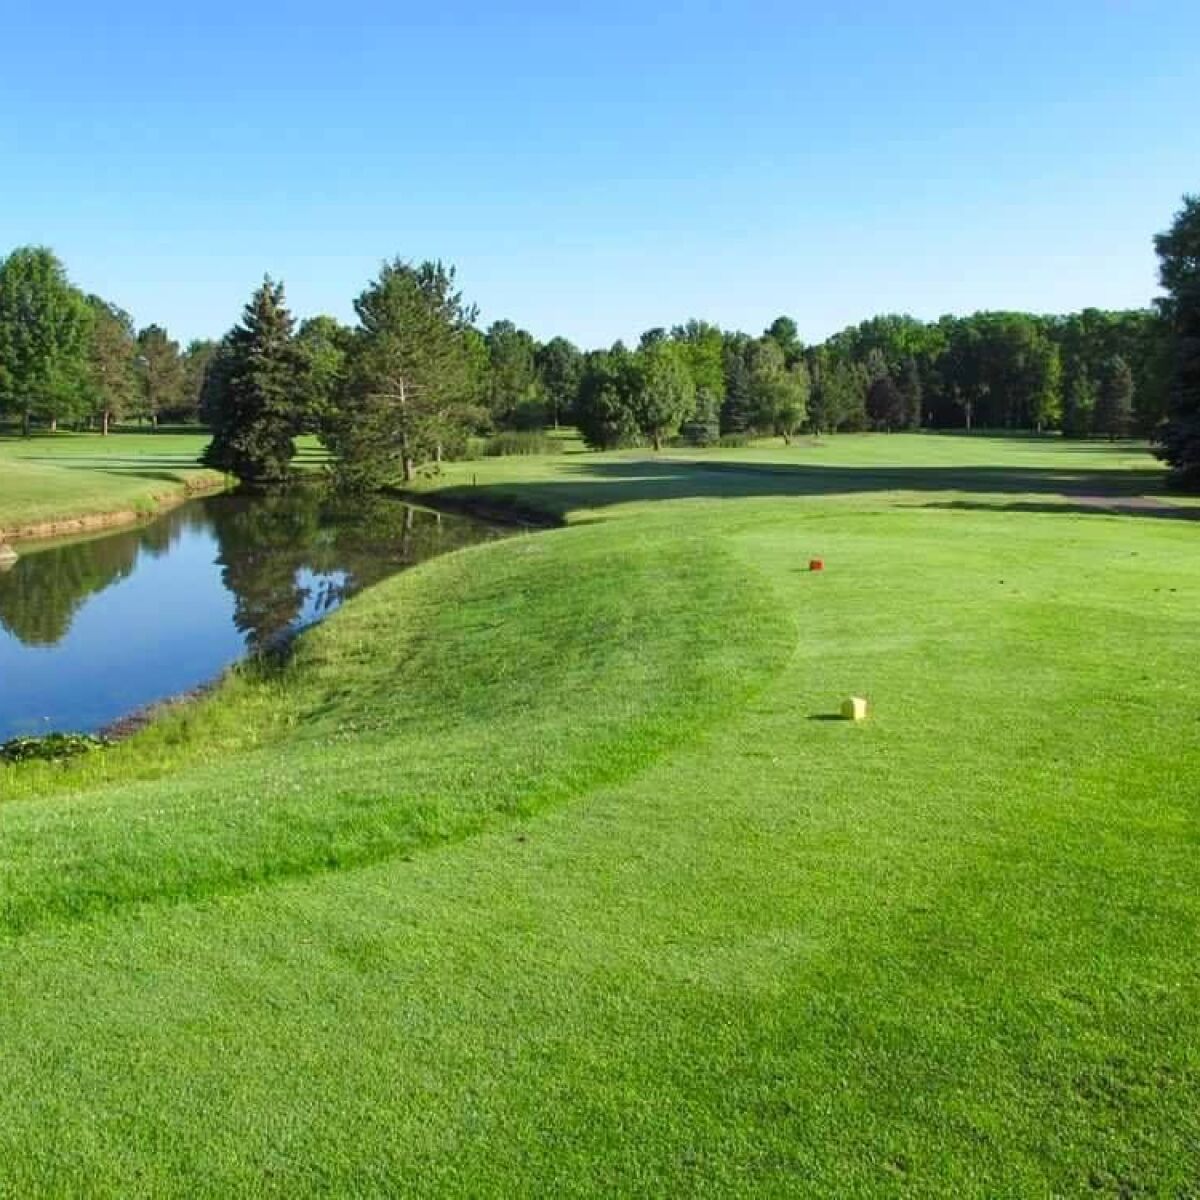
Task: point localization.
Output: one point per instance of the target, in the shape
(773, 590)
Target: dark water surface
(93, 629)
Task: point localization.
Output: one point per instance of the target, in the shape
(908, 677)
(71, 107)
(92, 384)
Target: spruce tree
(737, 403)
(1179, 270)
(252, 399)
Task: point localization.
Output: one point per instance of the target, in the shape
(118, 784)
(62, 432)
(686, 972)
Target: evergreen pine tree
(410, 378)
(252, 399)
(737, 405)
(1179, 269)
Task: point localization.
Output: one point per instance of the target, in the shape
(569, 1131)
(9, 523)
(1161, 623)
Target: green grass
(63, 476)
(540, 870)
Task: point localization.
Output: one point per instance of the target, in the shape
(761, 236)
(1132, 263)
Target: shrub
(511, 442)
(696, 433)
(49, 748)
(733, 441)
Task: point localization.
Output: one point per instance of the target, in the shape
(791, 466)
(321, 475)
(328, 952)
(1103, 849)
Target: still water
(92, 630)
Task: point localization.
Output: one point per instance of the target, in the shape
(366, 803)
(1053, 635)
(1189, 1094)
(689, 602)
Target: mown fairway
(56, 478)
(541, 869)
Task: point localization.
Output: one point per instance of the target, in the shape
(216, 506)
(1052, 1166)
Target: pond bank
(204, 585)
(159, 502)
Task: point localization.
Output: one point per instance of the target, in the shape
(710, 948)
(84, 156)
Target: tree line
(71, 358)
(415, 377)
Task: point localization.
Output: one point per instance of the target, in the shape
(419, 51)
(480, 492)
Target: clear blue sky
(597, 169)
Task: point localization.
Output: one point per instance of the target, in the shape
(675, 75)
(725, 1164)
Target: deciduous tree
(1114, 398)
(560, 369)
(44, 325)
(112, 348)
(322, 346)
(1079, 403)
(160, 374)
(912, 392)
(514, 389)
(666, 394)
(779, 393)
(197, 359)
(605, 411)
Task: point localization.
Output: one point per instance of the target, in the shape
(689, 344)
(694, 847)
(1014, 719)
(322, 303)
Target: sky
(594, 170)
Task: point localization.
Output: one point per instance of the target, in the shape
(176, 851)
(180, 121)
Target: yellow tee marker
(854, 708)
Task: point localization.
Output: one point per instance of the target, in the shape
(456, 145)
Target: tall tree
(408, 390)
(1179, 271)
(1114, 398)
(779, 393)
(885, 404)
(821, 418)
(1079, 403)
(666, 393)
(322, 346)
(254, 413)
(737, 404)
(478, 367)
(838, 392)
(605, 410)
(783, 332)
(560, 368)
(912, 393)
(215, 384)
(703, 348)
(112, 383)
(160, 373)
(197, 359)
(44, 325)
(514, 392)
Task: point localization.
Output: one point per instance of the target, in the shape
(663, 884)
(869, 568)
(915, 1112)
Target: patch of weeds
(49, 748)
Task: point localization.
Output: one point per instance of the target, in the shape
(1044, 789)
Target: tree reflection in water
(288, 559)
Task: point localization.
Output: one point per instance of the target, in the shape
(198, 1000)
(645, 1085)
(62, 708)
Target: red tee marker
(816, 564)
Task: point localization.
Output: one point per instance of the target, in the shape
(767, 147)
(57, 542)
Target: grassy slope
(562, 885)
(64, 476)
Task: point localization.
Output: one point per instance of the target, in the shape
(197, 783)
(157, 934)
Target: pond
(94, 629)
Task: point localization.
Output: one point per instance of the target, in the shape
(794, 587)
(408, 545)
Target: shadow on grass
(163, 476)
(1095, 506)
(115, 465)
(598, 484)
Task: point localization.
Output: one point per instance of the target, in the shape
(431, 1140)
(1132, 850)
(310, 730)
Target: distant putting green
(548, 867)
